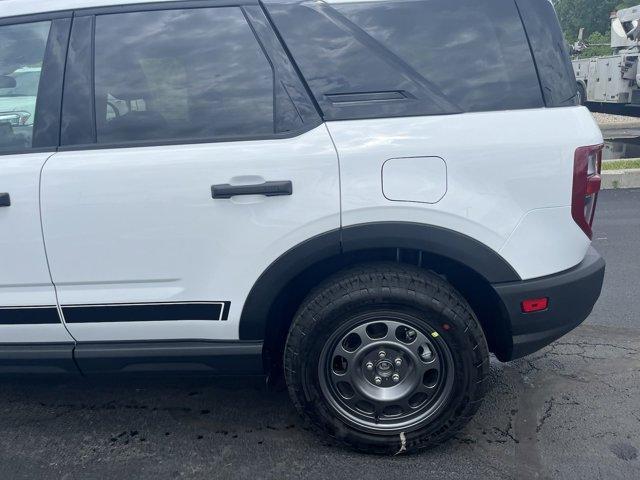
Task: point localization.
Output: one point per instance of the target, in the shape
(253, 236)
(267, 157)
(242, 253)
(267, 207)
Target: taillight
(587, 167)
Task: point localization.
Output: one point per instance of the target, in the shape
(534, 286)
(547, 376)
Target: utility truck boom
(613, 79)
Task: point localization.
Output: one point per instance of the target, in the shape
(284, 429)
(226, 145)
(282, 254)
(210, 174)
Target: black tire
(582, 95)
(383, 290)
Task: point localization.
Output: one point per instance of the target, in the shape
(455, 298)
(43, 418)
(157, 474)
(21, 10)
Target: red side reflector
(535, 305)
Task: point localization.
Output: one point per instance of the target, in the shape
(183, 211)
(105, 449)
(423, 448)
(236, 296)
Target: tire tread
(391, 279)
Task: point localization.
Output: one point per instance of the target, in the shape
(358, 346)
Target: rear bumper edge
(572, 295)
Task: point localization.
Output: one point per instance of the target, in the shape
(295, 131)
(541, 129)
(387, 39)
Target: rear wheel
(386, 358)
(582, 95)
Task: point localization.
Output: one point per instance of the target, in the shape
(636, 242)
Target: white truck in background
(612, 80)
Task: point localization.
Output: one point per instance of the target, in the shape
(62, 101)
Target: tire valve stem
(427, 354)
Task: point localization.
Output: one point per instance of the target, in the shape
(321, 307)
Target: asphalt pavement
(617, 238)
(571, 411)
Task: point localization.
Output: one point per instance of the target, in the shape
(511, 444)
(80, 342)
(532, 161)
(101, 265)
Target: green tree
(628, 3)
(592, 15)
(595, 17)
(600, 45)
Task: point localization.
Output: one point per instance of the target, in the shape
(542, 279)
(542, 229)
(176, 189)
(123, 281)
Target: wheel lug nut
(377, 380)
(398, 362)
(382, 354)
(369, 366)
(395, 378)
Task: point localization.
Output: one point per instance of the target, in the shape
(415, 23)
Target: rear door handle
(268, 189)
(5, 200)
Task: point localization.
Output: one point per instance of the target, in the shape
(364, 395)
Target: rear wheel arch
(470, 266)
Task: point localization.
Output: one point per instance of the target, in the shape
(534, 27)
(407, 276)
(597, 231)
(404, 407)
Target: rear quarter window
(550, 52)
(434, 56)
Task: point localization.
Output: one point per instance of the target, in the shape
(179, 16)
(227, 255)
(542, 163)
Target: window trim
(35, 17)
(79, 124)
(308, 125)
(31, 151)
(58, 32)
(187, 141)
(129, 7)
(285, 68)
(155, 6)
(50, 90)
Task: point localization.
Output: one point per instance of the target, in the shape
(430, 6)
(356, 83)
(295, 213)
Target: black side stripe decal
(41, 315)
(146, 312)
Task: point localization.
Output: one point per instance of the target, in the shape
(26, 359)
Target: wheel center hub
(384, 368)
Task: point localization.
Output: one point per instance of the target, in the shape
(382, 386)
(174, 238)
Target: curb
(620, 131)
(614, 179)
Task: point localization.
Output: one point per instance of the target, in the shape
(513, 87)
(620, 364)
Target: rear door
(31, 72)
(192, 158)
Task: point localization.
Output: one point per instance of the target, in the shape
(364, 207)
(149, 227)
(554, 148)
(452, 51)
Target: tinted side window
(475, 52)
(180, 74)
(338, 59)
(549, 49)
(472, 54)
(22, 51)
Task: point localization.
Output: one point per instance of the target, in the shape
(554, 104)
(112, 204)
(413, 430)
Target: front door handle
(268, 189)
(5, 200)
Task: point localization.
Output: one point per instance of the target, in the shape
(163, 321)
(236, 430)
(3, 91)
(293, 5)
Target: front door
(29, 73)
(202, 162)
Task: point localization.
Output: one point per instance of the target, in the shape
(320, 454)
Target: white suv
(367, 196)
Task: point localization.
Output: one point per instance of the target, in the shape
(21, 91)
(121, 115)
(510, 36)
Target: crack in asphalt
(547, 414)
(537, 401)
(532, 421)
(587, 344)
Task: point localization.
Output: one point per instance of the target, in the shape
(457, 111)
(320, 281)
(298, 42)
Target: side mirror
(7, 82)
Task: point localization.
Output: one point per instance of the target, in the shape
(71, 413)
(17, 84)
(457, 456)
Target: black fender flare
(406, 235)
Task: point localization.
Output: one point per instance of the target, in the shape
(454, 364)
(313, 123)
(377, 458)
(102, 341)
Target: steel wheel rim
(384, 372)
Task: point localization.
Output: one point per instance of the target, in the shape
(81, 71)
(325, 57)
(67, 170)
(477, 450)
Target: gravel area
(605, 119)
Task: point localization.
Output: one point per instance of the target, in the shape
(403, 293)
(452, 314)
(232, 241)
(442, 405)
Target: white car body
(99, 226)
(304, 189)
(504, 187)
(150, 245)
